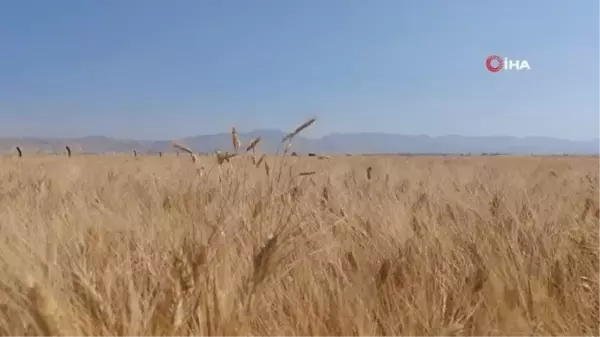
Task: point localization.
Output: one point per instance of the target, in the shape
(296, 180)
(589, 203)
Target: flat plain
(361, 245)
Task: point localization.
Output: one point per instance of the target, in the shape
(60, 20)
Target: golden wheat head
(299, 129)
(224, 157)
(182, 148)
(235, 139)
(253, 143)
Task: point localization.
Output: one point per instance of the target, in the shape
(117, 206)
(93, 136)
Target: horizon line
(283, 132)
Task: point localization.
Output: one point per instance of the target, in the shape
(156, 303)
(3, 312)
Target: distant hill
(354, 143)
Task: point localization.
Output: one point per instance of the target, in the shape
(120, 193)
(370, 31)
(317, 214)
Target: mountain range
(337, 143)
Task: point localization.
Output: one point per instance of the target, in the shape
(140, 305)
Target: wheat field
(362, 245)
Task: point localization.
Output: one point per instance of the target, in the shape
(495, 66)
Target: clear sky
(155, 69)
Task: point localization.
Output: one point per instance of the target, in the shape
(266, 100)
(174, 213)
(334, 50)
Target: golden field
(117, 245)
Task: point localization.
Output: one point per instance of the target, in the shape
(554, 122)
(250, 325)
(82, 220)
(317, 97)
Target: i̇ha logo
(496, 63)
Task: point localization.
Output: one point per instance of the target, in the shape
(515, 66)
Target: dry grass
(345, 246)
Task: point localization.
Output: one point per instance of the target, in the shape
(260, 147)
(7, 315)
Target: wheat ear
(182, 148)
(299, 129)
(253, 143)
(235, 139)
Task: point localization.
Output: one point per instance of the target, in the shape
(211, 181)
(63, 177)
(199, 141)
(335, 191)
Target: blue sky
(155, 69)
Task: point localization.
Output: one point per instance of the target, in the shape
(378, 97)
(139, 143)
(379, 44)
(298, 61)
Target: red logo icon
(491, 67)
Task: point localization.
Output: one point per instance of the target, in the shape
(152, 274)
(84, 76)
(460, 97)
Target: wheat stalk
(260, 160)
(176, 312)
(262, 262)
(96, 305)
(46, 312)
